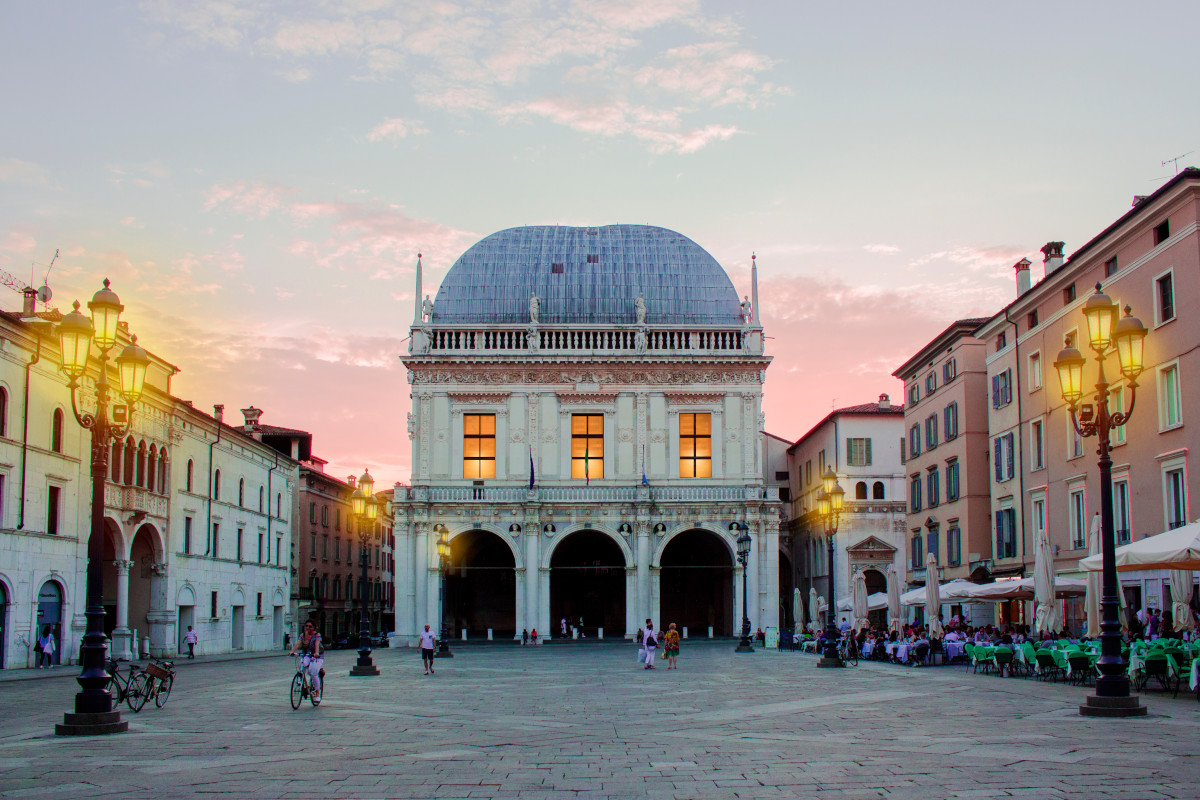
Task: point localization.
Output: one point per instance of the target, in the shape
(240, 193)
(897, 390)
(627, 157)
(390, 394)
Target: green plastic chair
(969, 649)
(1157, 667)
(1003, 659)
(1030, 658)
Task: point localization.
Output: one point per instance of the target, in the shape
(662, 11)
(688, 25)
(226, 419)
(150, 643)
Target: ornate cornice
(694, 398)
(588, 399)
(624, 374)
(479, 398)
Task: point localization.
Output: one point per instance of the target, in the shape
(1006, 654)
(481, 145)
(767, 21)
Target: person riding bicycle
(312, 655)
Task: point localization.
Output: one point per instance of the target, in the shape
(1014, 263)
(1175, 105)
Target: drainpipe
(37, 356)
(218, 414)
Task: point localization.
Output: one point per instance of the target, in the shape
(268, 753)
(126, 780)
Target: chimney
(251, 428)
(1022, 268)
(30, 307)
(219, 413)
(885, 402)
(1053, 256)
(352, 480)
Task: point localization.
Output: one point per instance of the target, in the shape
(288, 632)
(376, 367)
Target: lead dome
(587, 275)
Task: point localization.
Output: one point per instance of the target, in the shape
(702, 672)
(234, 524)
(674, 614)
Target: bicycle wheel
(164, 691)
(138, 692)
(297, 690)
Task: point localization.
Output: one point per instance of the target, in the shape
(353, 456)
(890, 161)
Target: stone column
(643, 573)
(632, 623)
(770, 573)
(753, 575)
(543, 601)
(417, 576)
(402, 580)
(122, 638)
(533, 565)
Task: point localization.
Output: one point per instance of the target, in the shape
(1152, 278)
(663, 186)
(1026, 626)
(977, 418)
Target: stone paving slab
(588, 723)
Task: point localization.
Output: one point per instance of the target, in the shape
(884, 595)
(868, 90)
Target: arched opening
(241, 492)
(141, 465)
(152, 468)
(50, 616)
(3, 432)
(216, 485)
(3, 620)
(877, 491)
(189, 475)
(162, 470)
(587, 580)
(860, 490)
(876, 582)
(143, 585)
(481, 586)
(129, 462)
(786, 584)
(697, 584)
(114, 460)
(56, 436)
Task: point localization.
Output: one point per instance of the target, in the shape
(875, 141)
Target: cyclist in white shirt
(428, 641)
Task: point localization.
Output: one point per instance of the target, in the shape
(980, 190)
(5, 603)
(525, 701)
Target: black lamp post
(443, 550)
(365, 509)
(829, 508)
(1127, 335)
(94, 712)
(743, 557)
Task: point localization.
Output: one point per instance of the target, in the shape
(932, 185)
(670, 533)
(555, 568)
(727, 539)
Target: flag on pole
(644, 481)
(586, 478)
(531, 476)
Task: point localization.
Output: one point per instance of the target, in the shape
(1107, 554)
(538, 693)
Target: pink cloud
(394, 129)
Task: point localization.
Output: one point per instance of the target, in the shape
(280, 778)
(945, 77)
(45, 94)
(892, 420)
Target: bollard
(685, 631)
(574, 633)
(599, 633)
(489, 634)
(464, 634)
(710, 627)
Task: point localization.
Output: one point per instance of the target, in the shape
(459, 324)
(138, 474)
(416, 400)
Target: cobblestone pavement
(585, 721)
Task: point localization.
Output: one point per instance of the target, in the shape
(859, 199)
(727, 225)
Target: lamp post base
(743, 647)
(91, 724)
(1113, 707)
(443, 652)
(826, 661)
(365, 665)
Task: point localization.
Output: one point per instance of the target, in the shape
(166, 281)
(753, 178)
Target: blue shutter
(997, 458)
(995, 391)
(1009, 462)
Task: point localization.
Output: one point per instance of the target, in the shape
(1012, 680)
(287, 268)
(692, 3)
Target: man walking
(427, 641)
(190, 640)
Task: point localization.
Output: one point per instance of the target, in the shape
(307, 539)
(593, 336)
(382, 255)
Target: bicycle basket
(155, 671)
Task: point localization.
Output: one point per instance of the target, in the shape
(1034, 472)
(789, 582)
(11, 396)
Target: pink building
(1042, 474)
(945, 456)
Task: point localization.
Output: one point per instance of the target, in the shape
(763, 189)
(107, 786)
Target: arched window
(217, 485)
(189, 475)
(337, 588)
(129, 462)
(860, 490)
(241, 492)
(151, 468)
(260, 499)
(114, 461)
(877, 491)
(56, 430)
(162, 471)
(141, 464)
(278, 505)
(3, 411)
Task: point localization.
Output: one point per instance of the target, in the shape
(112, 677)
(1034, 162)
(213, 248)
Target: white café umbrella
(861, 622)
(1092, 599)
(813, 608)
(797, 610)
(1177, 549)
(895, 621)
(1181, 597)
(933, 601)
(1046, 617)
(875, 602)
(1026, 589)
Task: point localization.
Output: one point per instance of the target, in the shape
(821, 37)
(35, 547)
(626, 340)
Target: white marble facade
(533, 376)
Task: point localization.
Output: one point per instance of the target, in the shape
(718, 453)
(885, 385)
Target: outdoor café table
(868, 646)
(953, 649)
(902, 651)
(1137, 662)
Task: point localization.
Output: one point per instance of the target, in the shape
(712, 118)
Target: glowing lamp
(1100, 312)
(132, 365)
(828, 479)
(823, 503)
(836, 496)
(75, 339)
(1070, 374)
(106, 310)
(358, 503)
(367, 483)
(1130, 336)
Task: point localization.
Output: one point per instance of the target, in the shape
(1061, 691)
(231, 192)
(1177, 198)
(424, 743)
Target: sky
(256, 179)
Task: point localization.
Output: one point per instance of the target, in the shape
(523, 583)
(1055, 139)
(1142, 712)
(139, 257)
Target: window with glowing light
(695, 446)
(587, 446)
(479, 446)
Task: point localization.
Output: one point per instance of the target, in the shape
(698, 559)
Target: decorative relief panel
(625, 435)
(671, 374)
(694, 398)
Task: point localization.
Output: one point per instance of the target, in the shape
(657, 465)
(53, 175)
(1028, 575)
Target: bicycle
(155, 680)
(302, 686)
(119, 685)
(848, 651)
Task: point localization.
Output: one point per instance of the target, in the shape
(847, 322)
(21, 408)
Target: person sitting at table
(952, 636)
(919, 650)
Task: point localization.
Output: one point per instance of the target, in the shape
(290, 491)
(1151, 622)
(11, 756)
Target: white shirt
(190, 637)
(427, 640)
(647, 635)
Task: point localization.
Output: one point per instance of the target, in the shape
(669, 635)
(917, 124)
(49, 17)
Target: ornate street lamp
(365, 509)
(743, 557)
(94, 712)
(829, 508)
(443, 551)
(1127, 336)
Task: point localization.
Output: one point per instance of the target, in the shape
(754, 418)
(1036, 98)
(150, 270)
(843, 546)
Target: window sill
(1169, 428)
(1165, 322)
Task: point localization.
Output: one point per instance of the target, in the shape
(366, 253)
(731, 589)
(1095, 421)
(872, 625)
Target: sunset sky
(256, 179)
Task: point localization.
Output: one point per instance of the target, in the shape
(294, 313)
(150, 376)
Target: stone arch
(696, 580)
(186, 595)
(461, 528)
(277, 598)
(860, 490)
(481, 584)
(4, 395)
(877, 491)
(128, 461)
(565, 531)
(152, 468)
(56, 612)
(721, 533)
(58, 429)
(237, 597)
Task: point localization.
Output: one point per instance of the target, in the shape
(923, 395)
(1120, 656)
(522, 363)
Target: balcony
(593, 494)
(581, 340)
(134, 501)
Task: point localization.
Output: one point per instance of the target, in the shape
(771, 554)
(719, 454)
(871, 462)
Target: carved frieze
(672, 374)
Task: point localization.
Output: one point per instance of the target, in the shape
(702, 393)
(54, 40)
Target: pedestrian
(190, 640)
(524, 636)
(563, 626)
(427, 642)
(671, 647)
(533, 636)
(581, 634)
(45, 648)
(649, 645)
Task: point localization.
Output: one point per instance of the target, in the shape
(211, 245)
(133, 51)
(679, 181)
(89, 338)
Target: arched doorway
(876, 582)
(481, 586)
(696, 584)
(587, 580)
(3, 603)
(49, 615)
(786, 584)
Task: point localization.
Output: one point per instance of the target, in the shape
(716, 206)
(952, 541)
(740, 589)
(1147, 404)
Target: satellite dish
(44, 294)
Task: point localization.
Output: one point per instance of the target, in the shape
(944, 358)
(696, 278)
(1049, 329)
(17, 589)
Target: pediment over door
(871, 550)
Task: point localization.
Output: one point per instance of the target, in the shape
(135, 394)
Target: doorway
(587, 581)
(277, 626)
(3, 622)
(187, 618)
(481, 586)
(696, 584)
(49, 615)
(238, 617)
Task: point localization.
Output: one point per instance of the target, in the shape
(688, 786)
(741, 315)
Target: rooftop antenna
(1175, 161)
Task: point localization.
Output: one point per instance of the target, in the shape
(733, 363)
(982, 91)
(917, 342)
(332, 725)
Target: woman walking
(649, 645)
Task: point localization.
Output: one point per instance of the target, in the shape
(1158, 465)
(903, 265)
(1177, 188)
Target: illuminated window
(479, 446)
(695, 446)
(587, 446)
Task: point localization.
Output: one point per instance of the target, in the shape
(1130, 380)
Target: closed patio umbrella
(1181, 597)
(933, 600)
(813, 622)
(861, 621)
(1092, 600)
(1046, 618)
(797, 611)
(895, 621)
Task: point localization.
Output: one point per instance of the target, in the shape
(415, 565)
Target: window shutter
(995, 391)
(997, 458)
(868, 463)
(1000, 534)
(1008, 442)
